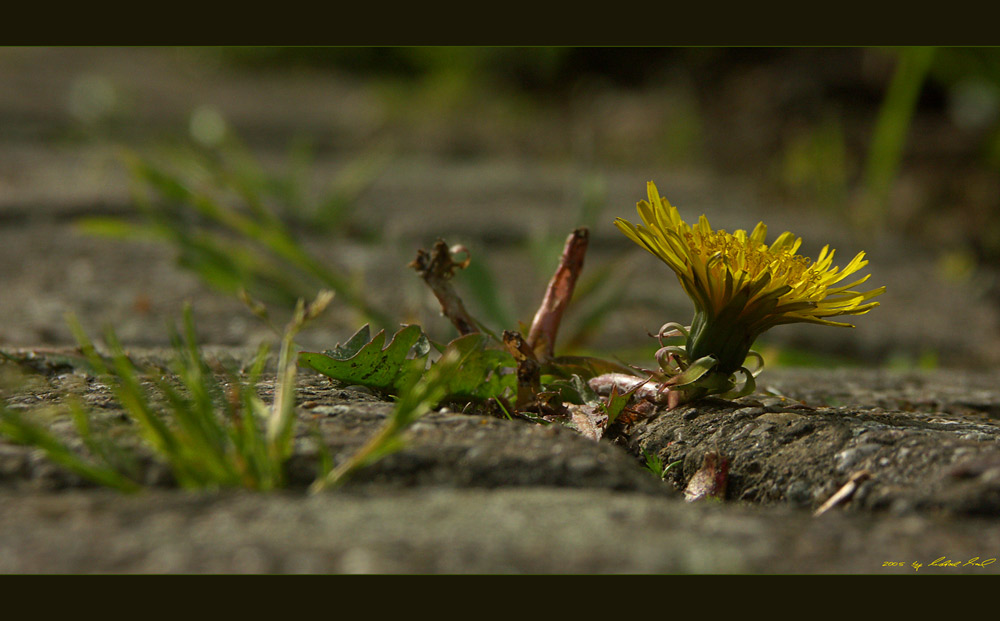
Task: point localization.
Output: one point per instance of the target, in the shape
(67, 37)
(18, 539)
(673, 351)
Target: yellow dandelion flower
(742, 286)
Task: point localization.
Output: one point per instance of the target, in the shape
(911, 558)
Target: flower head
(740, 285)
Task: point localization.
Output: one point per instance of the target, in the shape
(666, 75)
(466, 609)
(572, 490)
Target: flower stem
(728, 342)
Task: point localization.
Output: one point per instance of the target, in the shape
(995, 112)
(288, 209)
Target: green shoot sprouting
(655, 464)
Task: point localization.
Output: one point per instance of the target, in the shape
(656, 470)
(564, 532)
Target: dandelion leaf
(481, 374)
(354, 344)
(366, 363)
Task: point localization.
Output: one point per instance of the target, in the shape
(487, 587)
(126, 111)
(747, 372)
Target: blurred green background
(282, 170)
(817, 124)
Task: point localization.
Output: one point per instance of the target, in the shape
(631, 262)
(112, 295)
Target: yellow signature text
(944, 561)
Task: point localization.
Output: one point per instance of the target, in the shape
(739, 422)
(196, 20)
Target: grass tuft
(217, 209)
(212, 432)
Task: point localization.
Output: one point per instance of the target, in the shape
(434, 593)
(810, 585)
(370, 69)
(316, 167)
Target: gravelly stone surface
(803, 455)
(471, 493)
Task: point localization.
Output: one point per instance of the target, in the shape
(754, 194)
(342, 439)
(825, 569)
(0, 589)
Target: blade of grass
(229, 247)
(20, 431)
(209, 436)
(127, 389)
(116, 457)
(889, 137)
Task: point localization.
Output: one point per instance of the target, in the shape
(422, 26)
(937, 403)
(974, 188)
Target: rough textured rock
(802, 455)
(477, 494)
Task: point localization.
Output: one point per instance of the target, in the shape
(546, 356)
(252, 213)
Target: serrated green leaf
(372, 366)
(480, 375)
(353, 345)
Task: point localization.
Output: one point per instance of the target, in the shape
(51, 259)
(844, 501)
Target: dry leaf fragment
(710, 481)
(528, 371)
(588, 420)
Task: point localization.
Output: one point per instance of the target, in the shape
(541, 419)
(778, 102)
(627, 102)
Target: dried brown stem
(529, 375)
(542, 335)
(437, 268)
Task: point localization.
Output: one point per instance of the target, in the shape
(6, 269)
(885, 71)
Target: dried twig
(542, 335)
(437, 268)
(529, 376)
(844, 493)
